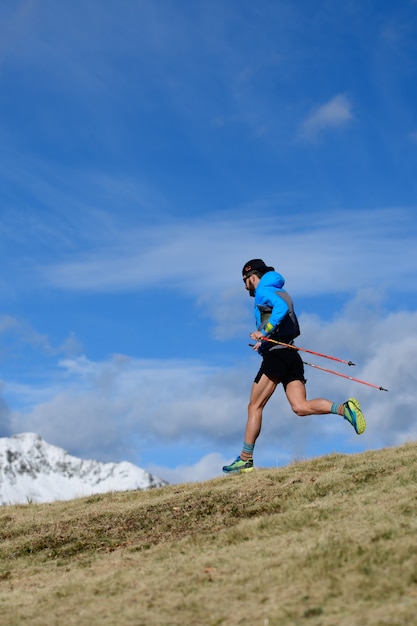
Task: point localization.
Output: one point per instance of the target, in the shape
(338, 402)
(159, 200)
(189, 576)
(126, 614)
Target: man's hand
(257, 335)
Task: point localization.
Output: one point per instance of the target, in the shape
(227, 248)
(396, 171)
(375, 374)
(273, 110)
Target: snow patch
(32, 470)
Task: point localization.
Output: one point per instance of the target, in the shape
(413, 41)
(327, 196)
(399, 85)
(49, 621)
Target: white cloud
(331, 115)
(40, 342)
(196, 255)
(7, 322)
(4, 418)
(207, 467)
(202, 258)
(97, 408)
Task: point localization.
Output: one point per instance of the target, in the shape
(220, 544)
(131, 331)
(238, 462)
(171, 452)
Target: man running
(276, 320)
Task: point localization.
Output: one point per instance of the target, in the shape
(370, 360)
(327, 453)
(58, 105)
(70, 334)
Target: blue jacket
(274, 309)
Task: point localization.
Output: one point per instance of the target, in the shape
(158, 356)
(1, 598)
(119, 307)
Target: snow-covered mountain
(32, 470)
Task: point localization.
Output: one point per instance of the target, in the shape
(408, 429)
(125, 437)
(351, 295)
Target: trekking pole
(356, 380)
(325, 356)
(323, 369)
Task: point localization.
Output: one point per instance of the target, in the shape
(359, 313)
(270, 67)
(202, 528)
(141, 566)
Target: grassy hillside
(330, 542)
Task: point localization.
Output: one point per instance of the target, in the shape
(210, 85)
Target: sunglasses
(245, 278)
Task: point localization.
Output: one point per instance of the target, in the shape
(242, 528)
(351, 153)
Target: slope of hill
(32, 470)
(324, 542)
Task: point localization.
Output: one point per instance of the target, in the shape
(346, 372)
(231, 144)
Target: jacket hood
(272, 279)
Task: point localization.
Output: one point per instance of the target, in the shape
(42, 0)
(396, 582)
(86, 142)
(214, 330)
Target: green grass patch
(324, 542)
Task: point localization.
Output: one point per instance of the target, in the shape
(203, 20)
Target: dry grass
(329, 542)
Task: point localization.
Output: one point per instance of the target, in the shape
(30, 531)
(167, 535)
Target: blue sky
(148, 150)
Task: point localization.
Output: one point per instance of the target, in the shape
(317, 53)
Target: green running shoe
(354, 415)
(239, 467)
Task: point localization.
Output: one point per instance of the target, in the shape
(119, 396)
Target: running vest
(288, 328)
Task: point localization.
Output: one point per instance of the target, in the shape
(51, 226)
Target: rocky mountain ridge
(32, 470)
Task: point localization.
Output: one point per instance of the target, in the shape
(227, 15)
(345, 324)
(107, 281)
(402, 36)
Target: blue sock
(335, 408)
(248, 448)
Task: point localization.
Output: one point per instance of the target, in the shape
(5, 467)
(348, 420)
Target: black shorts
(282, 366)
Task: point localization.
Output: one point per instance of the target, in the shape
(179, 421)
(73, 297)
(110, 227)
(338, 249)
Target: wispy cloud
(180, 253)
(332, 115)
(28, 336)
(201, 257)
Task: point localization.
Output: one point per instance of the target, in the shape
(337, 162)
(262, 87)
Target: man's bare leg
(350, 410)
(260, 394)
(297, 397)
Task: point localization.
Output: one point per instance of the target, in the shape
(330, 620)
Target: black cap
(256, 265)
